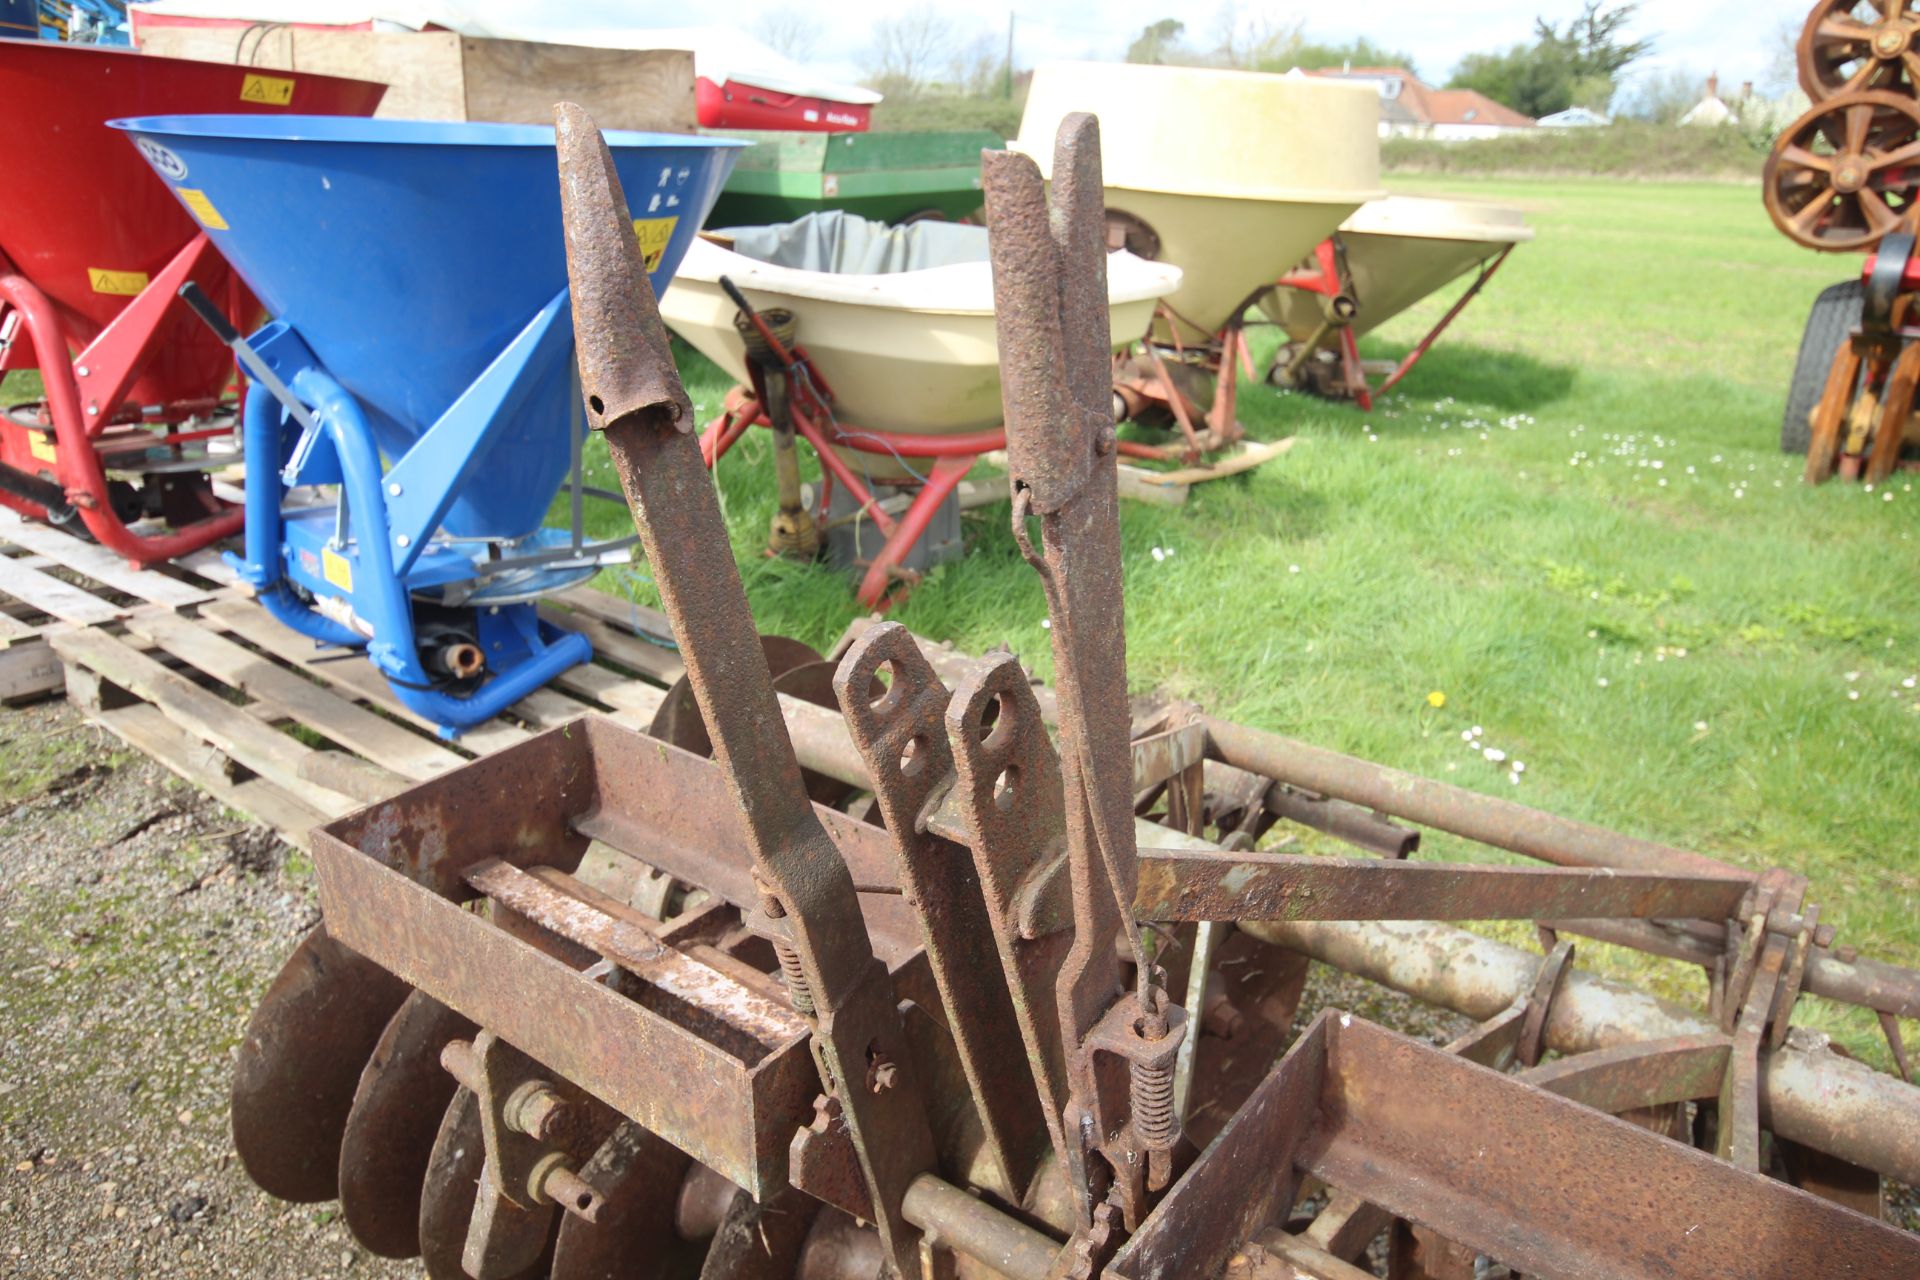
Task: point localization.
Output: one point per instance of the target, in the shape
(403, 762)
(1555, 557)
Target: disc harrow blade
(761, 1242)
(678, 719)
(300, 1065)
(403, 1094)
(447, 1193)
(639, 1175)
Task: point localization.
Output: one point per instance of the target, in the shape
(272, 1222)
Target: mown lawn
(1575, 523)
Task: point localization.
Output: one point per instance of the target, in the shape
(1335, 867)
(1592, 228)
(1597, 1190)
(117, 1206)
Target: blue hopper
(423, 351)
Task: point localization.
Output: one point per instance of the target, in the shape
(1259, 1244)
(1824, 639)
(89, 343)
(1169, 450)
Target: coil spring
(1151, 1090)
(796, 978)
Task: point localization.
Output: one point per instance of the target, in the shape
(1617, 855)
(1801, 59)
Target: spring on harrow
(796, 977)
(1151, 1089)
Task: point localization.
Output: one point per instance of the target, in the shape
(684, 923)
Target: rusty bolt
(882, 1075)
(543, 1115)
(457, 1057)
(1103, 440)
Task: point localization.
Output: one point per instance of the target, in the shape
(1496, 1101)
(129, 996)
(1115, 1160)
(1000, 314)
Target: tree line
(923, 51)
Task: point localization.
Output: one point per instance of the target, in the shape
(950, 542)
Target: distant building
(1574, 118)
(1713, 110)
(1412, 109)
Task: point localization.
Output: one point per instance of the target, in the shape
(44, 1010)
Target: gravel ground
(139, 922)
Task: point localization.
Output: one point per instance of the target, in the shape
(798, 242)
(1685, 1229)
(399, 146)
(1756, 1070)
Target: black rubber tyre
(1835, 312)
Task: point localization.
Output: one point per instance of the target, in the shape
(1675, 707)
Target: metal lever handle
(257, 369)
(633, 394)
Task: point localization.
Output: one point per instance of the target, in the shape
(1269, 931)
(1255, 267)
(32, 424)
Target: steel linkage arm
(1050, 302)
(808, 905)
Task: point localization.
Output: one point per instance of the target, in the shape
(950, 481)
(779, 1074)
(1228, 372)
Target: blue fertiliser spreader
(422, 362)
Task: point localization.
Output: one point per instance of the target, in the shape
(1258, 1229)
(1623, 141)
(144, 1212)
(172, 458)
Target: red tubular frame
(953, 455)
(1327, 283)
(100, 375)
(947, 473)
(1433, 335)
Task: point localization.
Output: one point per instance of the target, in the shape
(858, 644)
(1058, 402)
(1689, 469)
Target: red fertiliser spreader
(94, 250)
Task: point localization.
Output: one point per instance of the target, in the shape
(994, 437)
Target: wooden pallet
(295, 735)
(50, 580)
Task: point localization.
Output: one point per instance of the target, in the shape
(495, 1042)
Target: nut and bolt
(542, 1114)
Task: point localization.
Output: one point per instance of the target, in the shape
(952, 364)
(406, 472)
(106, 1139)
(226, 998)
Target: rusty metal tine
(635, 397)
(1064, 462)
(902, 735)
(1080, 230)
(633, 394)
(1026, 266)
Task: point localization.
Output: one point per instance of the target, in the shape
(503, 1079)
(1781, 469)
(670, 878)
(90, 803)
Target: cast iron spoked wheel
(1846, 173)
(1850, 45)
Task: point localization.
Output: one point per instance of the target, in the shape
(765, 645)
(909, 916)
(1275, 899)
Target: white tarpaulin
(719, 53)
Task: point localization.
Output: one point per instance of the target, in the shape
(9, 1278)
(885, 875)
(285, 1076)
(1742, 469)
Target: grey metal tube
(955, 1220)
(1811, 1095)
(1518, 829)
(1488, 819)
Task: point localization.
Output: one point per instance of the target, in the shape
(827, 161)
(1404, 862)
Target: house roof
(1574, 116)
(1409, 99)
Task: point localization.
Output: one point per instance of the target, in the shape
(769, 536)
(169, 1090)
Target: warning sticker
(203, 209)
(272, 91)
(655, 234)
(336, 568)
(41, 447)
(124, 284)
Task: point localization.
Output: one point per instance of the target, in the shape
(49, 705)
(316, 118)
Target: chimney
(1746, 90)
(1713, 85)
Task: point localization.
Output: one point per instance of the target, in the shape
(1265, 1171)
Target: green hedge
(1002, 115)
(1627, 148)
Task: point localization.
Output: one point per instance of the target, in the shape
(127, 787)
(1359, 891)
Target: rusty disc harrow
(1041, 1023)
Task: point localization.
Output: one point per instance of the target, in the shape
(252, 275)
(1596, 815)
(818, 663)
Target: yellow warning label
(654, 233)
(41, 446)
(274, 91)
(202, 207)
(336, 568)
(125, 284)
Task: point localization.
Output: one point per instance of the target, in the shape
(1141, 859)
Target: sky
(1738, 38)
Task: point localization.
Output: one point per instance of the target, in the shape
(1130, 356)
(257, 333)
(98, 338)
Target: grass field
(1575, 524)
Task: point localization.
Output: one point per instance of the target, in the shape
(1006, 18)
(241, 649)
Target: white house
(1713, 110)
